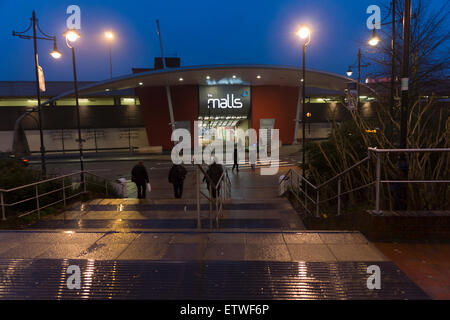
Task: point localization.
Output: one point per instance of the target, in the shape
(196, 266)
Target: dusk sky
(200, 32)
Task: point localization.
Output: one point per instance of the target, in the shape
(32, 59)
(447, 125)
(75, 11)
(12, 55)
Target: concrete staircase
(138, 215)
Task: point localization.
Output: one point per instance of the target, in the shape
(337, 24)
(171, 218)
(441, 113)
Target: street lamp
(304, 33)
(374, 40)
(72, 36)
(55, 54)
(349, 71)
(109, 37)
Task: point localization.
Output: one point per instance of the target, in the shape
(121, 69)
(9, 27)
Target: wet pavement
(196, 265)
(190, 280)
(133, 214)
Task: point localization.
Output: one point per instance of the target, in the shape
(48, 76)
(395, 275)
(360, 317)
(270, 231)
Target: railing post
(84, 182)
(377, 186)
(64, 191)
(106, 187)
(339, 197)
(317, 203)
(2, 200)
(306, 196)
(197, 174)
(210, 206)
(37, 201)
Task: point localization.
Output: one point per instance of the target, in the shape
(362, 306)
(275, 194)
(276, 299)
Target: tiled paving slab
(125, 279)
(159, 224)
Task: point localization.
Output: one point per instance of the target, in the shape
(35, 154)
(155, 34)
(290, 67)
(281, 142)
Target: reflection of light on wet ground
(304, 288)
(88, 275)
(113, 279)
(6, 281)
(62, 283)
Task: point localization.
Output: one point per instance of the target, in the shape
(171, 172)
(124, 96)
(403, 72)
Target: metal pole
(339, 197)
(64, 191)
(84, 182)
(197, 178)
(80, 141)
(210, 206)
(110, 60)
(377, 186)
(405, 71)
(2, 200)
(402, 164)
(303, 110)
(358, 86)
(391, 126)
(38, 93)
(317, 203)
(37, 202)
(169, 98)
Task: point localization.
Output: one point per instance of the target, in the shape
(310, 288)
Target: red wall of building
(155, 111)
(267, 102)
(276, 102)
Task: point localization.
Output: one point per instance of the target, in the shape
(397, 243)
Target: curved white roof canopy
(223, 74)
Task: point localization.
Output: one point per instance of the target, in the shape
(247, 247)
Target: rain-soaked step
(106, 279)
(133, 214)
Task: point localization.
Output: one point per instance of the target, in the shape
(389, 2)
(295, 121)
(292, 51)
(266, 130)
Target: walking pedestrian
(177, 174)
(140, 177)
(214, 171)
(235, 160)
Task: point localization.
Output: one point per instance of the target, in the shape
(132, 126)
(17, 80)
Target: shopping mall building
(136, 110)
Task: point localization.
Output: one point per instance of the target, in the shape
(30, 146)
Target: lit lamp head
(109, 35)
(71, 35)
(374, 40)
(349, 72)
(308, 115)
(55, 52)
(304, 32)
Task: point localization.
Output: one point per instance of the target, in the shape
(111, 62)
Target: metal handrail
(377, 182)
(223, 184)
(83, 182)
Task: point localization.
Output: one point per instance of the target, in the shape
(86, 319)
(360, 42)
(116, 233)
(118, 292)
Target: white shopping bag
(149, 187)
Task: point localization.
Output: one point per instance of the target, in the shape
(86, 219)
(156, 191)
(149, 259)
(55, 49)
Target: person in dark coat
(176, 176)
(215, 171)
(235, 159)
(140, 177)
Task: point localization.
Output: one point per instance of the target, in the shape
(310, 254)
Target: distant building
(132, 110)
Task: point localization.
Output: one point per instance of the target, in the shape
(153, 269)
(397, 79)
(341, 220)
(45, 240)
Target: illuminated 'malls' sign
(224, 100)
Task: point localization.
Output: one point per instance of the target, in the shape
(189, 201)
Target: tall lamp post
(402, 163)
(304, 33)
(71, 37)
(56, 55)
(109, 37)
(373, 41)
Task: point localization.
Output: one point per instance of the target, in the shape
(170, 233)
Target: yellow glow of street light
(55, 54)
(72, 35)
(109, 35)
(374, 40)
(304, 32)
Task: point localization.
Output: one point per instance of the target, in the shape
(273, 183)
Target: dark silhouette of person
(235, 159)
(140, 177)
(177, 174)
(214, 171)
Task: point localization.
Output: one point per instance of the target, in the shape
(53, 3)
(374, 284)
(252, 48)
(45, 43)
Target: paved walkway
(187, 245)
(191, 265)
(427, 264)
